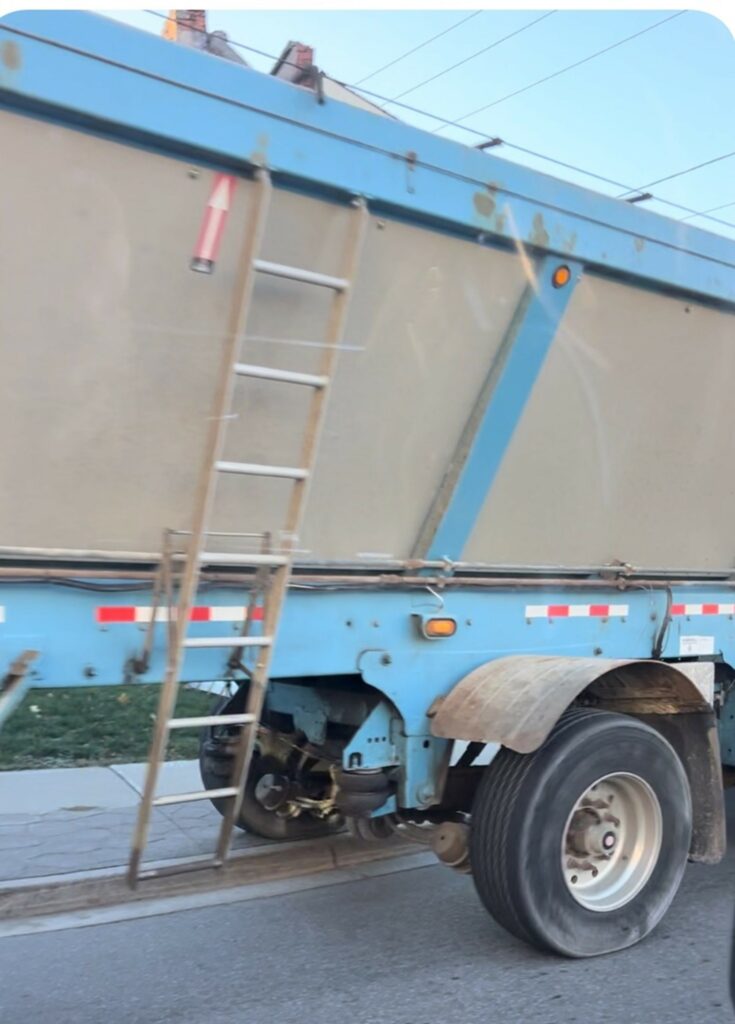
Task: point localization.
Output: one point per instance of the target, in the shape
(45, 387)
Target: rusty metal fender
(516, 701)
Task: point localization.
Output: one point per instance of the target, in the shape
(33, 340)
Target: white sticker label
(689, 645)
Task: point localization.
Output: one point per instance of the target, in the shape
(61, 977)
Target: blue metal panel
(80, 68)
(375, 744)
(522, 353)
(342, 633)
(332, 633)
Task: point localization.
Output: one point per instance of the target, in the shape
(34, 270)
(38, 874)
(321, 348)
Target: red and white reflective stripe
(575, 611)
(703, 609)
(203, 613)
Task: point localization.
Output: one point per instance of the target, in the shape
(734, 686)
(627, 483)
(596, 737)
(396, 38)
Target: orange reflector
(439, 627)
(561, 276)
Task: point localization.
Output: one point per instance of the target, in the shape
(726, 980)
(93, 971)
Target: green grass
(93, 725)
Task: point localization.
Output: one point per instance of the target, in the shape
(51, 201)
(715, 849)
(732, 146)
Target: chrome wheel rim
(611, 843)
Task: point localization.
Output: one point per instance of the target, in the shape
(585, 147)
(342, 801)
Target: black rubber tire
(254, 818)
(519, 814)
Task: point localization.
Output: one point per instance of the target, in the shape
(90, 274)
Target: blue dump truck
(422, 455)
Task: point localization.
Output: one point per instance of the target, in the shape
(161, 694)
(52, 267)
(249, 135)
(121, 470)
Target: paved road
(408, 948)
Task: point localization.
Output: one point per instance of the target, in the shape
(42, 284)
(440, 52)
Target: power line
(561, 71)
(419, 47)
(482, 135)
(472, 56)
(680, 174)
(712, 209)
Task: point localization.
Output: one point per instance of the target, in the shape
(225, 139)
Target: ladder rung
(339, 284)
(312, 380)
(201, 794)
(253, 469)
(228, 641)
(228, 558)
(191, 723)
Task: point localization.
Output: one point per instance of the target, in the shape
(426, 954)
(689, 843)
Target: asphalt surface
(408, 948)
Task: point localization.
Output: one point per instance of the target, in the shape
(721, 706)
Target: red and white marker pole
(213, 224)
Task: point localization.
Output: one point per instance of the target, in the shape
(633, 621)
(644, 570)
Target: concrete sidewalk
(60, 820)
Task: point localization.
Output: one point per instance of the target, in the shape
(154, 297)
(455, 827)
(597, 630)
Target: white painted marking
(618, 609)
(222, 613)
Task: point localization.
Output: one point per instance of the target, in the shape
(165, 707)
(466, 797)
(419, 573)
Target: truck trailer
(416, 451)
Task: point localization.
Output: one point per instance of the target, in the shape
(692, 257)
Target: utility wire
(440, 74)
(561, 71)
(479, 134)
(680, 174)
(712, 209)
(417, 48)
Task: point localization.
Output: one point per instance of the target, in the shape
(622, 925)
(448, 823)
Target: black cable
(426, 42)
(561, 71)
(445, 71)
(680, 174)
(712, 209)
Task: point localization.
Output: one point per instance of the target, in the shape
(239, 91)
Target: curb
(87, 890)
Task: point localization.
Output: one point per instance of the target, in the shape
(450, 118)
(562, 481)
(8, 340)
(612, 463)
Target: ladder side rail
(203, 503)
(294, 518)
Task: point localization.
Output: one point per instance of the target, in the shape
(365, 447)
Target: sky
(646, 109)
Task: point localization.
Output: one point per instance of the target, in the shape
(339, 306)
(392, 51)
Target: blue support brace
(500, 407)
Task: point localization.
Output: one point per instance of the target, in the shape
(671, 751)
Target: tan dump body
(110, 349)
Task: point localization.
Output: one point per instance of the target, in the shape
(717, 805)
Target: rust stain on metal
(639, 244)
(10, 55)
(411, 158)
(517, 700)
(259, 156)
(539, 235)
(484, 204)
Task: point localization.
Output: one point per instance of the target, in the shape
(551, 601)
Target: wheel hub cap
(611, 842)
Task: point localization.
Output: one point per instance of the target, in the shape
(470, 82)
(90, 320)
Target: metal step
(253, 469)
(338, 284)
(201, 794)
(232, 558)
(312, 380)
(228, 641)
(206, 720)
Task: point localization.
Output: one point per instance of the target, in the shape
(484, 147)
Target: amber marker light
(561, 276)
(436, 629)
